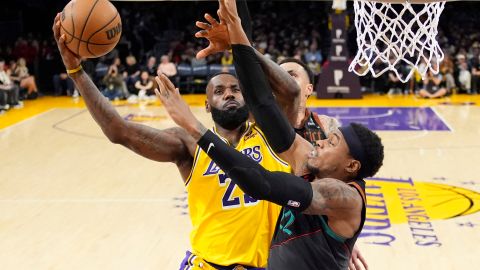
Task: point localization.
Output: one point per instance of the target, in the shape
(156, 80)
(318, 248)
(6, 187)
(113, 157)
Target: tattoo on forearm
(100, 108)
(330, 195)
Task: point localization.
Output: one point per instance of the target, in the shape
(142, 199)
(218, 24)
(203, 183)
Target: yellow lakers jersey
(230, 227)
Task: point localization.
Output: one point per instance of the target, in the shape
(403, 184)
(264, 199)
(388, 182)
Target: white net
(397, 37)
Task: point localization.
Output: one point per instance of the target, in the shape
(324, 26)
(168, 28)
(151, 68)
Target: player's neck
(232, 136)
(301, 117)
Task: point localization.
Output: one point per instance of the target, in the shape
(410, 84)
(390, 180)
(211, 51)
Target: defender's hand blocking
(216, 33)
(176, 107)
(70, 60)
(229, 15)
(228, 11)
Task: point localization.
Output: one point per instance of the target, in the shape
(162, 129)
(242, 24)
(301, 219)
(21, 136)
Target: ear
(207, 106)
(309, 89)
(353, 167)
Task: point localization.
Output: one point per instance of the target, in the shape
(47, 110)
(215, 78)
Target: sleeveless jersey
(306, 242)
(312, 129)
(230, 227)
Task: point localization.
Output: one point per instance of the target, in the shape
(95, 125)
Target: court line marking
(56, 127)
(442, 118)
(26, 120)
(388, 113)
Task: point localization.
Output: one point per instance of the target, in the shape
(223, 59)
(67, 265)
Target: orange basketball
(92, 28)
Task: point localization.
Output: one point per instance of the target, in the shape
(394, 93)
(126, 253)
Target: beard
(230, 119)
(313, 170)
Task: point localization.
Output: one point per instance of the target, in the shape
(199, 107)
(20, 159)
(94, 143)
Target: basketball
(92, 28)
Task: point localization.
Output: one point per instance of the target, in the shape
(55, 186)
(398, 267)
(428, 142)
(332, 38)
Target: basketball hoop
(394, 34)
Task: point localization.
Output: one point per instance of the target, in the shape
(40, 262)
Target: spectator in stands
(433, 86)
(446, 69)
(227, 58)
(476, 74)
(144, 86)
(101, 70)
(114, 84)
(62, 83)
(22, 77)
(131, 73)
(314, 53)
(168, 68)
(151, 66)
(464, 75)
(9, 91)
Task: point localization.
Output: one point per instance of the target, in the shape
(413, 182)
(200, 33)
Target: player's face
(301, 77)
(330, 157)
(223, 93)
(225, 102)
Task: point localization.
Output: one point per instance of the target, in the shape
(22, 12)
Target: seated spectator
(313, 64)
(168, 68)
(131, 73)
(101, 70)
(26, 81)
(9, 91)
(433, 86)
(464, 75)
(144, 86)
(227, 59)
(446, 69)
(151, 66)
(62, 83)
(476, 74)
(314, 53)
(114, 84)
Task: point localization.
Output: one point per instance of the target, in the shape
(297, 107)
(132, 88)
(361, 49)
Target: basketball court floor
(70, 199)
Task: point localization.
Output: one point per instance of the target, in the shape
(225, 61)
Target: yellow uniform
(230, 227)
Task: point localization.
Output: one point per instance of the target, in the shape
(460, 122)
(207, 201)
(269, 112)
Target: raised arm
(285, 89)
(258, 95)
(170, 145)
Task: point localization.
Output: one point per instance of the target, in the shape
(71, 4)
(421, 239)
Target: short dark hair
(310, 75)
(373, 147)
(220, 73)
(2, 60)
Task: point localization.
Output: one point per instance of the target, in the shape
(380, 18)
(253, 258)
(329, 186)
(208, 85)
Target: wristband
(75, 70)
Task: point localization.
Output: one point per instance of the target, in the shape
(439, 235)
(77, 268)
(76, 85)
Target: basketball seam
(85, 25)
(88, 40)
(73, 25)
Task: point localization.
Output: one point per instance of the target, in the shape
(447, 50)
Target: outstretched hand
(176, 107)
(228, 11)
(70, 60)
(216, 33)
(228, 14)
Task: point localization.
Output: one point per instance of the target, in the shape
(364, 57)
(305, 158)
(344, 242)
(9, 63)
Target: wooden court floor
(69, 199)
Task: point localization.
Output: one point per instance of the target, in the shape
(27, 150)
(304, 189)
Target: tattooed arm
(340, 202)
(170, 145)
(284, 87)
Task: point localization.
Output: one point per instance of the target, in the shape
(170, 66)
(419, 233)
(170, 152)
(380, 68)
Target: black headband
(355, 146)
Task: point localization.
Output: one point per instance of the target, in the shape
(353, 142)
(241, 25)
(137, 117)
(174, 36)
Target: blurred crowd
(160, 36)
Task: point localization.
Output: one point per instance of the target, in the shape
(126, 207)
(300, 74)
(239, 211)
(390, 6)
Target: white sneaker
(142, 94)
(75, 93)
(132, 99)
